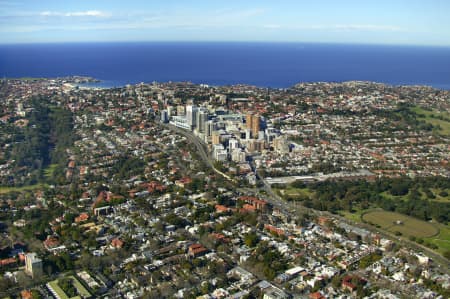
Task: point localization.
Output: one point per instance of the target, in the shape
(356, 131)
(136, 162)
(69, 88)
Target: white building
(191, 115)
(238, 155)
(233, 144)
(219, 152)
(33, 265)
(180, 122)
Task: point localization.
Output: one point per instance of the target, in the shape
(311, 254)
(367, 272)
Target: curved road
(200, 147)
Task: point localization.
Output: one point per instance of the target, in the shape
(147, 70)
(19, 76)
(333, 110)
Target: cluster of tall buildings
(199, 119)
(229, 136)
(188, 117)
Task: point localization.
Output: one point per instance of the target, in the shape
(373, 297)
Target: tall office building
(248, 120)
(202, 118)
(253, 123)
(215, 138)
(164, 116)
(33, 265)
(191, 115)
(210, 127)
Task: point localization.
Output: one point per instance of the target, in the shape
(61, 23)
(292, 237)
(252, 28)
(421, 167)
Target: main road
(201, 147)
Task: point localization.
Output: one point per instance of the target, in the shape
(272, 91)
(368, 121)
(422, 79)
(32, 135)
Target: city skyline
(374, 22)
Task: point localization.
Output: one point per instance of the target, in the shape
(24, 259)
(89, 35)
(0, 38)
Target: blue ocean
(275, 65)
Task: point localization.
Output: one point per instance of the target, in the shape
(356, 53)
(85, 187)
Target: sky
(410, 22)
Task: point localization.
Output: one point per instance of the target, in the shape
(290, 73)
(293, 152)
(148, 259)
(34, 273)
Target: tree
(66, 284)
(206, 287)
(369, 260)
(5, 283)
(336, 281)
(251, 239)
(447, 254)
(400, 187)
(298, 184)
(35, 294)
(317, 285)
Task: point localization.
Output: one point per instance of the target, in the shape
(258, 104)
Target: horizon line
(223, 41)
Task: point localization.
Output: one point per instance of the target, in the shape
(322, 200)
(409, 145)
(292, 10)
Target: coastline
(273, 65)
(107, 84)
(94, 83)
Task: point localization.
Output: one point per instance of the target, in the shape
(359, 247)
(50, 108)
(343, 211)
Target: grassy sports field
(395, 222)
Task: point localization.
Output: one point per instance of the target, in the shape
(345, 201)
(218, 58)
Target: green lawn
(430, 117)
(441, 198)
(48, 172)
(442, 240)
(434, 233)
(409, 226)
(355, 216)
(295, 192)
(4, 190)
(388, 195)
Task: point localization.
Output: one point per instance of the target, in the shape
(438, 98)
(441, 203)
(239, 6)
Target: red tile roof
(274, 229)
(51, 242)
(117, 243)
(196, 250)
(257, 203)
(316, 295)
(220, 237)
(26, 294)
(248, 208)
(82, 217)
(221, 208)
(7, 262)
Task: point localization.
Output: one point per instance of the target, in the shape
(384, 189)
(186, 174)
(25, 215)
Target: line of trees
(42, 142)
